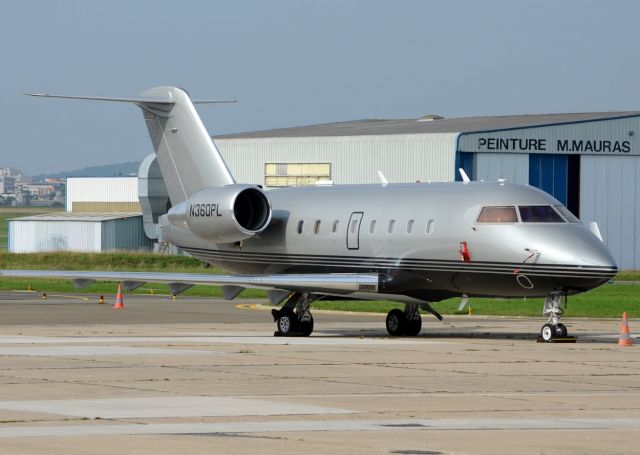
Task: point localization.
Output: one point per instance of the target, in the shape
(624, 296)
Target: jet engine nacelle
(224, 214)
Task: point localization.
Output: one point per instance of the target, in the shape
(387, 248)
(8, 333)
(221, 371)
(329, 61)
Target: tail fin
(187, 156)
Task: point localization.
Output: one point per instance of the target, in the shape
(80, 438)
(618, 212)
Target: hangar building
(588, 161)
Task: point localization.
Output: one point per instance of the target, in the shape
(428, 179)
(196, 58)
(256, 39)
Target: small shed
(82, 232)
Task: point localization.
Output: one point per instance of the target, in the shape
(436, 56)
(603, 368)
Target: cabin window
(334, 228)
(392, 223)
(372, 227)
(570, 217)
(502, 214)
(300, 223)
(410, 225)
(539, 214)
(429, 229)
(316, 227)
(354, 226)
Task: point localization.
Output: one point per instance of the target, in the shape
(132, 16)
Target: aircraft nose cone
(595, 264)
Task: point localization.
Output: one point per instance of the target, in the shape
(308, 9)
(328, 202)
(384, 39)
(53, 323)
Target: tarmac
(207, 376)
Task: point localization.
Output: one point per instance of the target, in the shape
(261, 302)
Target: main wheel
(561, 330)
(548, 332)
(395, 322)
(306, 326)
(285, 323)
(413, 326)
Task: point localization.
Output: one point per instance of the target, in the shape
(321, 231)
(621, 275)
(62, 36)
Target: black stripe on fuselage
(368, 263)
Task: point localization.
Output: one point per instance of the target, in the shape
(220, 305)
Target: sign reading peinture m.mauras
(608, 137)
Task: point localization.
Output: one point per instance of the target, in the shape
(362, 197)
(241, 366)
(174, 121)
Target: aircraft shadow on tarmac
(445, 334)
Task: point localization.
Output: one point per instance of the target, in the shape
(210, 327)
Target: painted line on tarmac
(324, 425)
(82, 351)
(70, 296)
(221, 339)
(162, 406)
(251, 306)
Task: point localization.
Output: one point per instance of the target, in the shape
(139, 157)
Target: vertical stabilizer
(188, 158)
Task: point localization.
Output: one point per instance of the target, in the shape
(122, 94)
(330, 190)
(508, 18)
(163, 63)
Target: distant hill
(108, 170)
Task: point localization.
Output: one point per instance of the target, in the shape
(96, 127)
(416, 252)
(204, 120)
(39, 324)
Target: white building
(589, 161)
(102, 194)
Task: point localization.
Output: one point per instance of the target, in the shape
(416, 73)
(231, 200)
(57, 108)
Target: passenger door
(353, 231)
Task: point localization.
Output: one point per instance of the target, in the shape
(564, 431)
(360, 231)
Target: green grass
(15, 212)
(607, 301)
(123, 261)
(53, 286)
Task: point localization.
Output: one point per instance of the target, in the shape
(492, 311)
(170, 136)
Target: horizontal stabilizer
(138, 100)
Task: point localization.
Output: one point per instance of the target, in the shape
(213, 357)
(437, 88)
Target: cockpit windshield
(539, 214)
(570, 217)
(528, 214)
(505, 214)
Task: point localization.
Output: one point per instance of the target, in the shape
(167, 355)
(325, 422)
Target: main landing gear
(554, 306)
(409, 321)
(294, 318)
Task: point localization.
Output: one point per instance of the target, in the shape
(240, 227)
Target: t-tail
(188, 158)
(205, 199)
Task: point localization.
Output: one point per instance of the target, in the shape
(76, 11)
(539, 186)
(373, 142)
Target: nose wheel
(554, 306)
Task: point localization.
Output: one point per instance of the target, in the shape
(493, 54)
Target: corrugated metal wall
(354, 159)
(39, 236)
(102, 190)
(494, 166)
(83, 236)
(124, 234)
(104, 207)
(610, 195)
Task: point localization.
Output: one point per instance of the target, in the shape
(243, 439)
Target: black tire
(561, 330)
(413, 326)
(395, 323)
(548, 332)
(306, 327)
(286, 323)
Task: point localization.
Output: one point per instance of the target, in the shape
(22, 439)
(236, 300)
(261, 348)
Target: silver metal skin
(568, 257)
(414, 243)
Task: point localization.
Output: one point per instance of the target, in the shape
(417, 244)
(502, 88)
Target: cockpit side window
(503, 214)
(570, 217)
(539, 214)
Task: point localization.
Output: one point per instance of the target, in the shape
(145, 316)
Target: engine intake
(224, 214)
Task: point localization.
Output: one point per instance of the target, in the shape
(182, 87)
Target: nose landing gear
(554, 306)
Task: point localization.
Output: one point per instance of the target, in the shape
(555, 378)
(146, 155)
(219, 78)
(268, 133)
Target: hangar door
(465, 161)
(558, 175)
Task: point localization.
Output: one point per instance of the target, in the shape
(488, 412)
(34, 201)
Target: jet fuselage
(424, 239)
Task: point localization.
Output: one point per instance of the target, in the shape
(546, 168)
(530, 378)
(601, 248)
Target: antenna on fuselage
(463, 174)
(383, 179)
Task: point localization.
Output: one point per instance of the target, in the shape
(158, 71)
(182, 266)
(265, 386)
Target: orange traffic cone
(625, 335)
(119, 302)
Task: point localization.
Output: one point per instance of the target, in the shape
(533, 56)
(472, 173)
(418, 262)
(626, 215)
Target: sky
(299, 62)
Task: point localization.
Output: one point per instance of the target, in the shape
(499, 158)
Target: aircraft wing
(337, 283)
